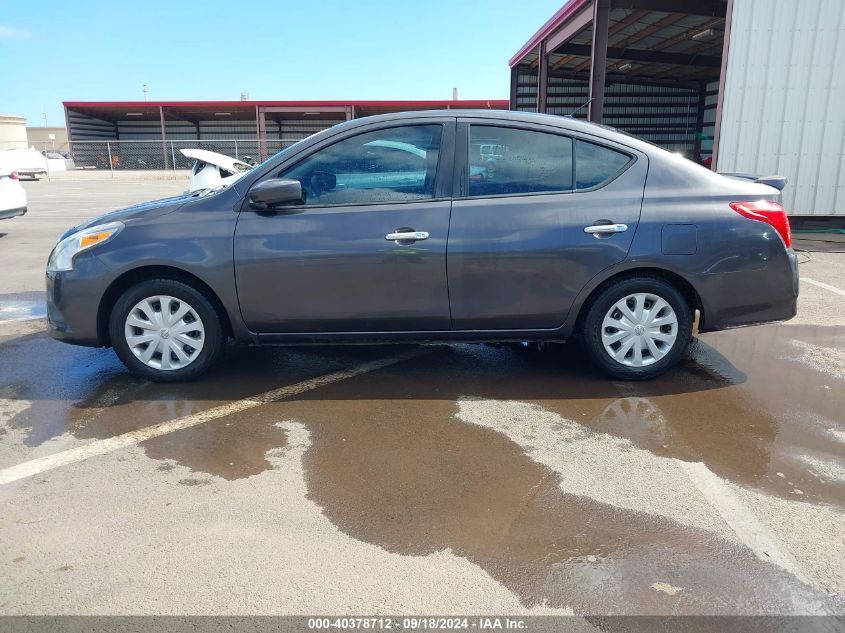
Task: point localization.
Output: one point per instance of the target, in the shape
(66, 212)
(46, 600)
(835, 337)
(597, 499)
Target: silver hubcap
(164, 332)
(639, 330)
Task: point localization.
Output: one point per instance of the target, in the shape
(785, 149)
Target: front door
(366, 251)
(526, 233)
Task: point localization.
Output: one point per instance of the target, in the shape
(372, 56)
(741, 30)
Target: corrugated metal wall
(784, 101)
(664, 114)
(86, 128)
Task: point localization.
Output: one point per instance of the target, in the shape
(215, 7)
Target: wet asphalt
(463, 479)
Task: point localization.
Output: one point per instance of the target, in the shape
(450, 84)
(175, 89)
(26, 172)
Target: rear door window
(596, 164)
(512, 161)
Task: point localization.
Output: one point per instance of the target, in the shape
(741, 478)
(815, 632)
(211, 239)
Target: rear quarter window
(597, 164)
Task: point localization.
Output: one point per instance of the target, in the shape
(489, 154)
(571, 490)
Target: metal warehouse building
(753, 86)
(149, 134)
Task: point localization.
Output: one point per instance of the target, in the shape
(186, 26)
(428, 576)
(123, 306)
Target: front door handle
(605, 229)
(407, 236)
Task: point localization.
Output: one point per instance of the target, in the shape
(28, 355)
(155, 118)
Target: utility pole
(145, 92)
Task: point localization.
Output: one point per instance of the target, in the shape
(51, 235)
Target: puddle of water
(403, 473)
(391, 464)
(745, 404)
(28, 305)
(232, 448)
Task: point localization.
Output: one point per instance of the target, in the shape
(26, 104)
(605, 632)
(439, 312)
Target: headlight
(62, 256)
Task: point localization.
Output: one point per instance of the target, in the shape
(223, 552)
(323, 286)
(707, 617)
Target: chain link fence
(165, 155)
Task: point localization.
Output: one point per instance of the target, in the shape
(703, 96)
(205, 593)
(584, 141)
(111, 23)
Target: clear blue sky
(57, 50)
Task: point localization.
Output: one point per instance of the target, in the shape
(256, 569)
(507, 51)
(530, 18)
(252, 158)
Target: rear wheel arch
(683, 286)
(637, 327)
(145, 273)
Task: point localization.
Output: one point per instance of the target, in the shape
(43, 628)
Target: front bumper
(5, 214)
(73, 301)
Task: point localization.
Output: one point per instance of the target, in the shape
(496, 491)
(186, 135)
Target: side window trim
(442, 178)
(460, 172)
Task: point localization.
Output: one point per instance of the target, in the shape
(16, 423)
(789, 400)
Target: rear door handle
(407, 236)
(605, 229)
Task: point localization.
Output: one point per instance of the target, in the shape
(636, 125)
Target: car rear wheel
(637, 328)
(166, 331)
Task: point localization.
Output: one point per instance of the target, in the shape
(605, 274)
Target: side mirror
(275, 191)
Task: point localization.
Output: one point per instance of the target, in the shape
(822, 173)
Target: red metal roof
(569, 9)
(435, 103)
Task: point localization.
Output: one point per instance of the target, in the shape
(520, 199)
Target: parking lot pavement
(443, 479)
(54, 207)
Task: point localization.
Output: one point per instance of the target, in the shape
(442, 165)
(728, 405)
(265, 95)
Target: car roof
(563, 122)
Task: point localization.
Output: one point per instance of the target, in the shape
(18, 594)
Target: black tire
(213, 344)
(591, 327)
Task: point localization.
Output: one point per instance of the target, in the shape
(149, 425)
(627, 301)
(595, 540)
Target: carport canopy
(649, 67)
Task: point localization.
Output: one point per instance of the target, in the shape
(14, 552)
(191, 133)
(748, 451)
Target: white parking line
(821, 284)
(741, 519)
(101, 447)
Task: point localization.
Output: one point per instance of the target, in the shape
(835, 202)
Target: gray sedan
(406, 228)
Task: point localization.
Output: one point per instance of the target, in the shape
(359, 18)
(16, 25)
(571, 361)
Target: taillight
(13, 175)
(770, 213)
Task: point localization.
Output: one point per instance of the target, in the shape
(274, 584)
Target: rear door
(526, 229)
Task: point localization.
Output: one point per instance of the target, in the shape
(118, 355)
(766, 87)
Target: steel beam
(174, 114)
(709, 8)
(262, 132)
(542, 77)
(69, 133)
(720, 100)
(598, 55)
(699, 123)
(572, 28)
(301, 109)
(647, 56)
(164, 151)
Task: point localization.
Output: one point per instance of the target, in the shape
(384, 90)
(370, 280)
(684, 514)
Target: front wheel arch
(145, 273)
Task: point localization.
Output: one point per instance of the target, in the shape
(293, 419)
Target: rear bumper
(738, 299)
(5, 214)
(31, 173)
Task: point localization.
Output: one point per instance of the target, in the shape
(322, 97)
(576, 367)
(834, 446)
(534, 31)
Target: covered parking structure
(649, 67)
(745, 86)
(149, 134)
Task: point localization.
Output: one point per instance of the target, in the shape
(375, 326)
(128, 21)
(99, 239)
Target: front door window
(389, 165)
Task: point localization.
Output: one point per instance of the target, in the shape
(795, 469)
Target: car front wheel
(637, 328)
(166, 331)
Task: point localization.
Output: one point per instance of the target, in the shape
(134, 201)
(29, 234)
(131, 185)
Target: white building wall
(784, 103)
(12, 132)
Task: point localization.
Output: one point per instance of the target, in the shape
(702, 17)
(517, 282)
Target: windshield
(282, 152)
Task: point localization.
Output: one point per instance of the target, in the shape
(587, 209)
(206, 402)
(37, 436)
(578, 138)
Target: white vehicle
(28, 163)
(12, 194)
(212, 170)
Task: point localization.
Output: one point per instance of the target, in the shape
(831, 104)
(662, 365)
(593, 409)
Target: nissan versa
(407, 227)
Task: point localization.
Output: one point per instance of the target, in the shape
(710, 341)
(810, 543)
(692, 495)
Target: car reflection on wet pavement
(561, 485)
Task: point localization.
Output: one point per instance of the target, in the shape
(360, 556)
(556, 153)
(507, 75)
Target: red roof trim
(466, 103)
(564, 13)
